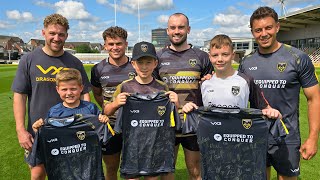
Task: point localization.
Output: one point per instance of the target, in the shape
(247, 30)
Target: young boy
(227, 87)
(144, 61)
(56, 145)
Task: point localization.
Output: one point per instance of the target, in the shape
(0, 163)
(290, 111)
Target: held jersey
(108, 77)
(35, 77)
(84, 107)
(182, 71)
(233, 91)
(147, 123)
(70, 147)
(280, 75)
(232, 142)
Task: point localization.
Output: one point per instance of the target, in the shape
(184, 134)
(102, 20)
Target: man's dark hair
(115, 31)
(180, 14)
(263, 12)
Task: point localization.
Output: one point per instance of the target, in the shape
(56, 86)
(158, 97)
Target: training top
(280, 75)
(71, 150)
(182, 71)
(232, 142)
(84, 107)
(233, 91)
(147, 123)
(35, 77)
(108, 76)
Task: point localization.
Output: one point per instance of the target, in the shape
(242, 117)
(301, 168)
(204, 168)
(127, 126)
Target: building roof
(300, 18)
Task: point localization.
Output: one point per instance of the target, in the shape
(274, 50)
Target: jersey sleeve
(174, 117)
(256, 97)
(34, 157)
(95, 109)
(118, 124)
(22, 83)
(95, 76)
(190, 123)
(306, 71)
(207, 67)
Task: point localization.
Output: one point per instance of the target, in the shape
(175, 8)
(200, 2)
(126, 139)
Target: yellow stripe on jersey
(110, 129)
(184, 117)
(284, 127)
(315, 73)
(173, 123)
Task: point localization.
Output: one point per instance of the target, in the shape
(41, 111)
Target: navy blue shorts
(285, 158)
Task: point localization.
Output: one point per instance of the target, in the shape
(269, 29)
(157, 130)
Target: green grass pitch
(12, 165)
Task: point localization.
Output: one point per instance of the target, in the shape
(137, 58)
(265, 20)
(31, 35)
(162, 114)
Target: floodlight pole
(139, 19)
(115, 12)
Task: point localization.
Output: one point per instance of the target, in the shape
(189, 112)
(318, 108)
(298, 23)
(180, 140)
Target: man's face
(116, 47)
(178, 29)
(55, 36)
(265, 31)
(221, 58)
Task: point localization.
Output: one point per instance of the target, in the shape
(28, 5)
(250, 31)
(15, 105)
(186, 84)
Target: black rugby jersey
(280, 75)
(147, 123)
(108, 77)
(233, 143)
(70, 147)
(182, 71)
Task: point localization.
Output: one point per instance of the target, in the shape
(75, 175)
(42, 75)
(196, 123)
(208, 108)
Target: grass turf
(12, 165)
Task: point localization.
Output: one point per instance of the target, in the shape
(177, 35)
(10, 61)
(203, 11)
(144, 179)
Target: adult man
(181, 66)
(35, 81)
(105, 77)
(280, 70)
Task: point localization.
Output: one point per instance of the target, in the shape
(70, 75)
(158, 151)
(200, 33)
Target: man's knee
(282, 177)
(38, 172)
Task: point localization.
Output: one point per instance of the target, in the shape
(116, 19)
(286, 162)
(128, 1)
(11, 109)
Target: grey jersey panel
(281, 75)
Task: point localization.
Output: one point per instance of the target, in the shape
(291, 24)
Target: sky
(89, 18)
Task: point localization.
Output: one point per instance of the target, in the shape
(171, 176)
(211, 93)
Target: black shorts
(285, 158)
(113, 146)
(188, 142)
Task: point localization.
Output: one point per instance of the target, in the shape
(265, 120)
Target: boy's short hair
(56, 19)
(263, 12)
(115, 31)
(143, 49)
(221, 40)
(68, 74)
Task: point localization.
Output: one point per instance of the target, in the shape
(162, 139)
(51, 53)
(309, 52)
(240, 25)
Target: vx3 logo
(52, 69)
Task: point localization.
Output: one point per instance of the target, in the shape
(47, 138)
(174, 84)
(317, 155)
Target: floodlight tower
(115, 12)
(283, 8)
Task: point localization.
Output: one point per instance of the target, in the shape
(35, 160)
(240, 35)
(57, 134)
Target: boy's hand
(121, 99)
(103, 118)
(172, 96)
(271, 113)
(36, 125)
(190, 106)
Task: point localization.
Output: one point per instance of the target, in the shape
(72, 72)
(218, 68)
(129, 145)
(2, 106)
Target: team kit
(227, 121)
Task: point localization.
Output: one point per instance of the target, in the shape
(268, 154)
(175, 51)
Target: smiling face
(178, 29)
(265, 30)
(221, 58)
(116, 47)
(70, 92)
(144, 67)
(55, 36)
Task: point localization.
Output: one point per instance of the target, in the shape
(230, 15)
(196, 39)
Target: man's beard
(184, 39)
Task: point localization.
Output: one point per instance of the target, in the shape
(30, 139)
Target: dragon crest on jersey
(281, 67)
(131, 75)
(144, 47)
(247, 123)
(81, 135)
(192, 62)
(161, 110)
(235, 90)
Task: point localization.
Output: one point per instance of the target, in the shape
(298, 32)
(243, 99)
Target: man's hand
(190, 106)
(271, 113)
(309, 149)
(25, 139)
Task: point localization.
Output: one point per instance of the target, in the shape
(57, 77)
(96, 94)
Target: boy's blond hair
(56, 19)
(69, 74)
(221, 40)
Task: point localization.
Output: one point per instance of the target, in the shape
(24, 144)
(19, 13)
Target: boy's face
(144, 66)
(221, 58)
(69, 91)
